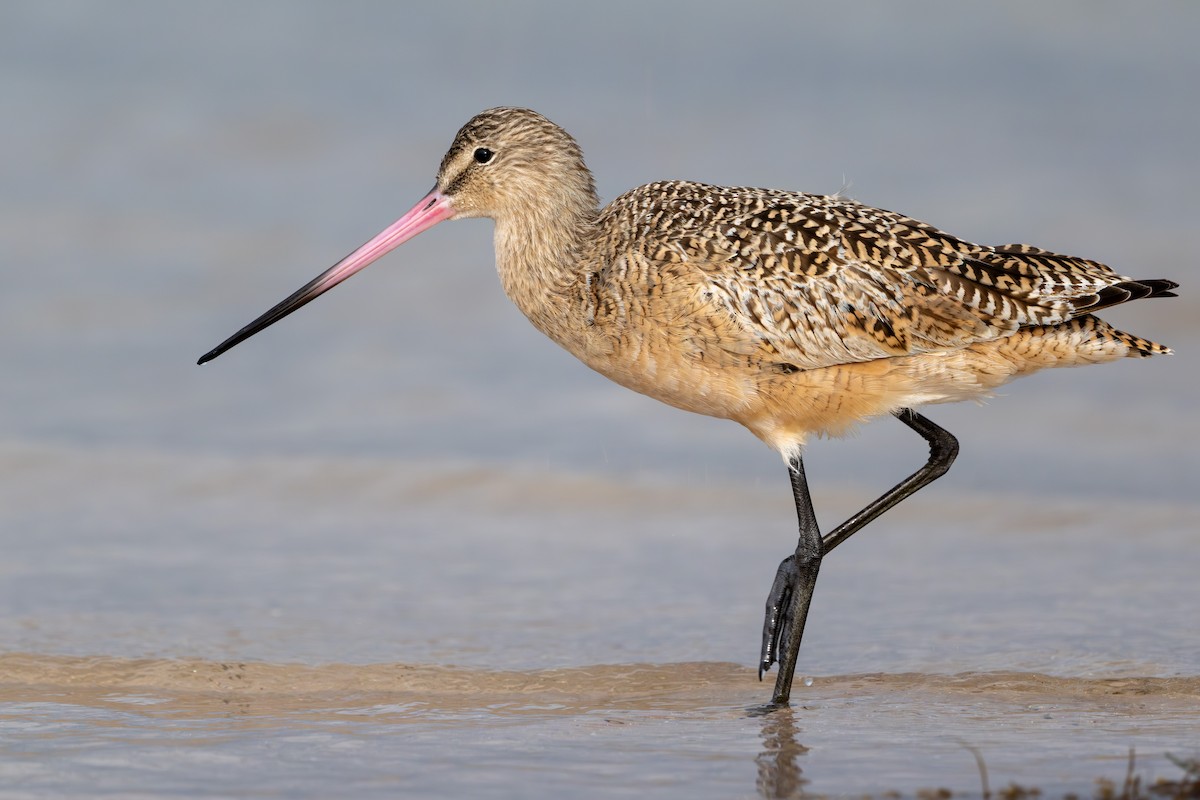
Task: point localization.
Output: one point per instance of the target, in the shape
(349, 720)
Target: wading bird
(793, 314)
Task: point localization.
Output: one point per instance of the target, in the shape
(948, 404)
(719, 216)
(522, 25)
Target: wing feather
(823, 280)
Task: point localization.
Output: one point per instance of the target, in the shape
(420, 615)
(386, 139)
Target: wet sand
(844, 734)
(197, 689)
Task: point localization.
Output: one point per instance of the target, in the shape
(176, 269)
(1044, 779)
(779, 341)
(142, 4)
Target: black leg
(943, 449)
(791, 593)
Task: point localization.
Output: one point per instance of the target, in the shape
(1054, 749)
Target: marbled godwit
(793, 314)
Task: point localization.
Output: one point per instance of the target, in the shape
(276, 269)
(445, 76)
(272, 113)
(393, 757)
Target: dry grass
(1186, 787)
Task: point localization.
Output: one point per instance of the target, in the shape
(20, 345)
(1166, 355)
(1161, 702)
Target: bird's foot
(777, 624)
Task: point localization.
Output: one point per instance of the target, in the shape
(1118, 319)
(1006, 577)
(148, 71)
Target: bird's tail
(1123, 292)
(1082, 340)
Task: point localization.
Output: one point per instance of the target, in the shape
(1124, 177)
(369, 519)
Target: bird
(796, 315)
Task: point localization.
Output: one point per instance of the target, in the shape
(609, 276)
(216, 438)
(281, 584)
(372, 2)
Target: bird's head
(512, 160)
(504, 164)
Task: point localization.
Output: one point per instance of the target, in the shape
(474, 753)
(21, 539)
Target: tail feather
(1160, 287)
(1123, 292)
(1105, 337)
(1071, 284)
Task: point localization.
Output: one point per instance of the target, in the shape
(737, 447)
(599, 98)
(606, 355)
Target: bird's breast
(667, 348)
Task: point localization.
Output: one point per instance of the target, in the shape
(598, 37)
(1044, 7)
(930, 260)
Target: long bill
(432, 209)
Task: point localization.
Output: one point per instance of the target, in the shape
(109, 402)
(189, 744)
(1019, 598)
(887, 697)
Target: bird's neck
(539, 255)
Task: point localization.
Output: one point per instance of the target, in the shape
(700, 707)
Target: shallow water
(506, 633)
(401, 545)
(610, 731)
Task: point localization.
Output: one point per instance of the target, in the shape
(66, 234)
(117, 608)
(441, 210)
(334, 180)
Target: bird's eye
(483, 155)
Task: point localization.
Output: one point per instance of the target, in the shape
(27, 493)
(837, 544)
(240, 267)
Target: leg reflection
(779, 773)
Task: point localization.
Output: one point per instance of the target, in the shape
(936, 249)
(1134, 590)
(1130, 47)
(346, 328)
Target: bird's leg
(791, 593)
(943, 449)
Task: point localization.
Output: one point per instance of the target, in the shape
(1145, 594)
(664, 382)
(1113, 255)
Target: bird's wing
(822, 280)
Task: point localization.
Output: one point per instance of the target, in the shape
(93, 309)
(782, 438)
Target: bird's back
(751, 291)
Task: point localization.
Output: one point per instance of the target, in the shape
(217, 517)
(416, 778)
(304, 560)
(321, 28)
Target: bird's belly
(681, 379)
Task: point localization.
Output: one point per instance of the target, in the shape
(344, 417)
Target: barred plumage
(821, 280)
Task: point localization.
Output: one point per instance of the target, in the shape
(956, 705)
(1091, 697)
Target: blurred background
(406, 472)
(173, 169)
